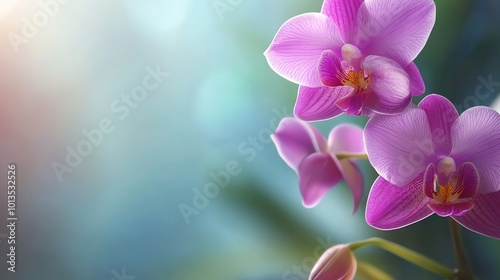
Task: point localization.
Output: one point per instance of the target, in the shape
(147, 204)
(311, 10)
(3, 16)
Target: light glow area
(158, 17)
(6, 7)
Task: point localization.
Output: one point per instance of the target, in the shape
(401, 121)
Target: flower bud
(336, 263)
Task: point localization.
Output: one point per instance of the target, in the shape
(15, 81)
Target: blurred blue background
(68, 69)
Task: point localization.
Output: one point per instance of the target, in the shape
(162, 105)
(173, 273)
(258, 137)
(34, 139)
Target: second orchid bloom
(431, 160)
(321, 164)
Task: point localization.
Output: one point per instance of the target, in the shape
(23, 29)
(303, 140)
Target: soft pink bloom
(315, 160)
(431, 160)
(336, 263)
(355, 56)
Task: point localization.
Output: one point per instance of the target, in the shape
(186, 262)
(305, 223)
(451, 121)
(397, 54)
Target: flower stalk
(407, 254)
(463, 270)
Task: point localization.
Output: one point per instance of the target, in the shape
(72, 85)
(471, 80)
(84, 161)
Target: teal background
(118, 211)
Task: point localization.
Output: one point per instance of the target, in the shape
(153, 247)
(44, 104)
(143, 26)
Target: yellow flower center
(446, 194)
(355, 79)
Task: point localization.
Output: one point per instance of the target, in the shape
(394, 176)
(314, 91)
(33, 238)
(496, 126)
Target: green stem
(407, 254)
(358, 156)
(371, 272)
(463, 271)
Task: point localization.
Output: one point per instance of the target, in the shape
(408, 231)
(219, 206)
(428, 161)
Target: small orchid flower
(431, 160)
(320, 164)
(336, 263)
(354, 57)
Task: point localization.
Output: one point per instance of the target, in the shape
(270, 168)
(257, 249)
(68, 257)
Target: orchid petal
(345, 15)
(352, 103)
(346, 139)
(452, 209)
(475, 138)
(296, 49)
(441, 114)
(354, 180)
(429, 180)
(468, 180)
(318, 173)
(395, 29)
(392, 207)
(417, 85)
(316, 104)
(390, 85)
(484, 218)
(295, 140)
(399, 147)
(329, 67)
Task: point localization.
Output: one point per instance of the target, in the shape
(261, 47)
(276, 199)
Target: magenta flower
(354, 57)
(320, 164)
(336, 263)
(431, 160)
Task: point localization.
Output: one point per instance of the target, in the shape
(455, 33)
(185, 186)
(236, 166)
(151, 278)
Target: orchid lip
(452, 192)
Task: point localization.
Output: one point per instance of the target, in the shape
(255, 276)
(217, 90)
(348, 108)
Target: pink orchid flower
(431, 160)
(355, 56)
(317, 160)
